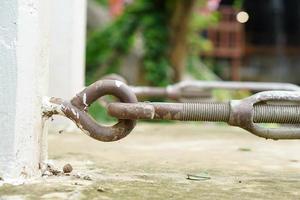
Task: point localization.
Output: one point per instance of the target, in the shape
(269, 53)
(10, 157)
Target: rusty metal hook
(76, 110)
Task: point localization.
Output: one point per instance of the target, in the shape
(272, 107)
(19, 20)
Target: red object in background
(116, 7)
(211, 5)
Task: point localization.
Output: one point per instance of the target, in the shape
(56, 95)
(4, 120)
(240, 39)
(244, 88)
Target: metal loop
(77, 107)
(104, 101)
(242, 114)
(114, 77)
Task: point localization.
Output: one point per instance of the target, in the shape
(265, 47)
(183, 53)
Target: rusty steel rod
(214, 112)
(198, 89)
(246, 113)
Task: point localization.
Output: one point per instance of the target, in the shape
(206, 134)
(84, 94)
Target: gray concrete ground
(153, 163)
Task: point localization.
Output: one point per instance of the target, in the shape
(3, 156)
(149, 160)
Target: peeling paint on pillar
(67, 53)
(23, 82)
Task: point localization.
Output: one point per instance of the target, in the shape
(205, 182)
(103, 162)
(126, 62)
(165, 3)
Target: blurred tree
(167, 29)
(181, 12)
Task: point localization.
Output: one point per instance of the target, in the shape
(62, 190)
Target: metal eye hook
(77, 107)
(104, 101)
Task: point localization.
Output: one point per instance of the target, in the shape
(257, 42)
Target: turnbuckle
(264, 107)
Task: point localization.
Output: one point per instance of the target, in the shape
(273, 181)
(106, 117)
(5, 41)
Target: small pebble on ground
(67, 168)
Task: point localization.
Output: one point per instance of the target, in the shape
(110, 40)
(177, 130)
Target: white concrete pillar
(67, 48)
(23, 83)
(67, 53)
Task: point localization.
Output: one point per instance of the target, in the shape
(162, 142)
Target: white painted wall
(30, 31)
(67, 53)
(67, 48)
(23, 83)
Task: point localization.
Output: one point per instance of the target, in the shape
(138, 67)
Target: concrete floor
(154, 161)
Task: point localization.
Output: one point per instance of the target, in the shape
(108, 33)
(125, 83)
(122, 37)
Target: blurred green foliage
(155, 36)
(238, 4)
(102, 2)
(199, 42)
(99, 113)
(106, 47)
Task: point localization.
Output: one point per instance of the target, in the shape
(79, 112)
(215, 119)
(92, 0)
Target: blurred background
(161, 42)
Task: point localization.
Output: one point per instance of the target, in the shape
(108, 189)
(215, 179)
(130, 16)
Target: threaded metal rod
(289, 114)
(205, 112)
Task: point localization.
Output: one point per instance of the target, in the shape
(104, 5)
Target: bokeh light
(242, 17)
